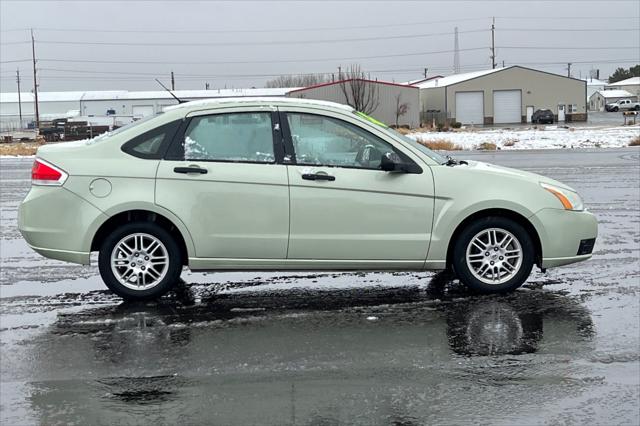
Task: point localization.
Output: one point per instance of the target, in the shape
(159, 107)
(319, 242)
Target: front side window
(326, 141)
(237, 137)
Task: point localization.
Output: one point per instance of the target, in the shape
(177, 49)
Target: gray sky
(242, 43)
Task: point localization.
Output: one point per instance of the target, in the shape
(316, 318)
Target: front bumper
(562, 235)
(58, 224)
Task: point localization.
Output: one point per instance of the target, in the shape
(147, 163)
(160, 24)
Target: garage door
(470, 107)
(140, 111)
(507, 106)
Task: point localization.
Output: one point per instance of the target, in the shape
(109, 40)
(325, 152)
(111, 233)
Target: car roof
(256, 101)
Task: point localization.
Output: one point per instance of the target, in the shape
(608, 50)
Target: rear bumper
(82, 258)
(563, 234)
(58, 224)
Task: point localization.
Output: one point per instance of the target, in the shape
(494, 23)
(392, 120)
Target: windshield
(429, 153)
(122, 129)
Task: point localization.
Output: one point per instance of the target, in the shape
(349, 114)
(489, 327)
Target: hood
(481, 167)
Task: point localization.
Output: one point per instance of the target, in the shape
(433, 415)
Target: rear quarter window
(152, 144)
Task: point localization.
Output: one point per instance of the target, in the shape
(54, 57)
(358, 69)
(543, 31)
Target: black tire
(637, 108)
(615, 109)
(459, 261)
(173, 271)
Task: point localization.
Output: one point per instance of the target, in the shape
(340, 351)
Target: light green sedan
(284, 184)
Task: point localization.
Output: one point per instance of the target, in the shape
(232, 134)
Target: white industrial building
(599, 99)
(119, 106)
(594, 85)
(504, 95)
(631, 85)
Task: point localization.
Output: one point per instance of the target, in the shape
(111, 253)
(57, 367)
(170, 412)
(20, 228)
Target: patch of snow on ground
(541, 138)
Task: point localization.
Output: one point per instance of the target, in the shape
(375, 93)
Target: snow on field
(541, 138)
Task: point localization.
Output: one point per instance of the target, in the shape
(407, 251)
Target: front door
(222, 180)
(343, 207)
(561, 112)
(529, 113)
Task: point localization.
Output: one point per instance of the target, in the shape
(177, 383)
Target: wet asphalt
(330, 348)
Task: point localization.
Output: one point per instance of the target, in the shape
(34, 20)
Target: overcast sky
(92, 45)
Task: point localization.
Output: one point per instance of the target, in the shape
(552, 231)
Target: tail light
(45, 173)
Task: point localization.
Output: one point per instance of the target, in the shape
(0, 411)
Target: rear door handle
(190, 170)
(318, 176)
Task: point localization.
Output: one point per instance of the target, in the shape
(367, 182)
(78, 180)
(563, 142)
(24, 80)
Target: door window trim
(175, 151)
(413, 167)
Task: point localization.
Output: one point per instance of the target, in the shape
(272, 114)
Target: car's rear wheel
(493, 255)
(140, 261)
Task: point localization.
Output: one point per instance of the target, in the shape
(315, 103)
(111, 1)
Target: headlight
(570, 200)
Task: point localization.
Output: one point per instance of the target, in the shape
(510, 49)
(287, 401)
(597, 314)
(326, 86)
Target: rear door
(342, 206)
(221, 178)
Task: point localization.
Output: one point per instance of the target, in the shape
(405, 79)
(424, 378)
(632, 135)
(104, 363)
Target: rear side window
(152, 144)
(236, 137)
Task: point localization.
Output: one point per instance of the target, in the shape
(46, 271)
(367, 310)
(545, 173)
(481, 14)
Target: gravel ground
(328, 349)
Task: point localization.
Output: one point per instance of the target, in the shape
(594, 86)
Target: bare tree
(302, 80)
(358, 90)
(401, 108)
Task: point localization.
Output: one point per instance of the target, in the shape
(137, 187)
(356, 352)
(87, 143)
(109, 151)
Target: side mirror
(391, 162)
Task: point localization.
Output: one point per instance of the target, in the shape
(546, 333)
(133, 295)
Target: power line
(348, 58)
(569, 47)
(595, 30)
(15, 61)
(261, 30)
(299, 29)
(251, 43)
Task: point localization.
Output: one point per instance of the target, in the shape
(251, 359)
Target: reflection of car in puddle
(249, 349)
(492, 329)
(488, 325)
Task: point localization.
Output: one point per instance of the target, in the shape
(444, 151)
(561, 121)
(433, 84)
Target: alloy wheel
(494, 256)
(139, 261)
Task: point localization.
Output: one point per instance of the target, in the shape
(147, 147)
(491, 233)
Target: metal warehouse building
(504, 95)
(121, 106)
(387, 95)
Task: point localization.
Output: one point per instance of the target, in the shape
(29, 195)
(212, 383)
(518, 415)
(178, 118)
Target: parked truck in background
(622, 105)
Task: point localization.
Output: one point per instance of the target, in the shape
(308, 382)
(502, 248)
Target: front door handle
(190, 170)
(318, 176)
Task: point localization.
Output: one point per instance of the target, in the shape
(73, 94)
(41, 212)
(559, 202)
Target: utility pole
(173, 82)
(456, 53)
(35, 82)
(569, 69)
(493, 43)
(19, 96)
(339, 72)
(425, 72)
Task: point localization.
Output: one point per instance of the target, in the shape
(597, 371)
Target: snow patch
(549, 137)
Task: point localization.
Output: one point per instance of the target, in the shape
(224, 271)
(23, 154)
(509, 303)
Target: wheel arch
(143, 215)
(500, 212)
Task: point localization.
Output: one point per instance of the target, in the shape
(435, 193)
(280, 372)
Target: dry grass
(635, 141)
(403, 131)
(440, 145)
(487, 146)
(19, 148)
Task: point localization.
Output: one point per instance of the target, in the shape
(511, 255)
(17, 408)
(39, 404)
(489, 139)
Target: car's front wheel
(493, 255)
(140, 261)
